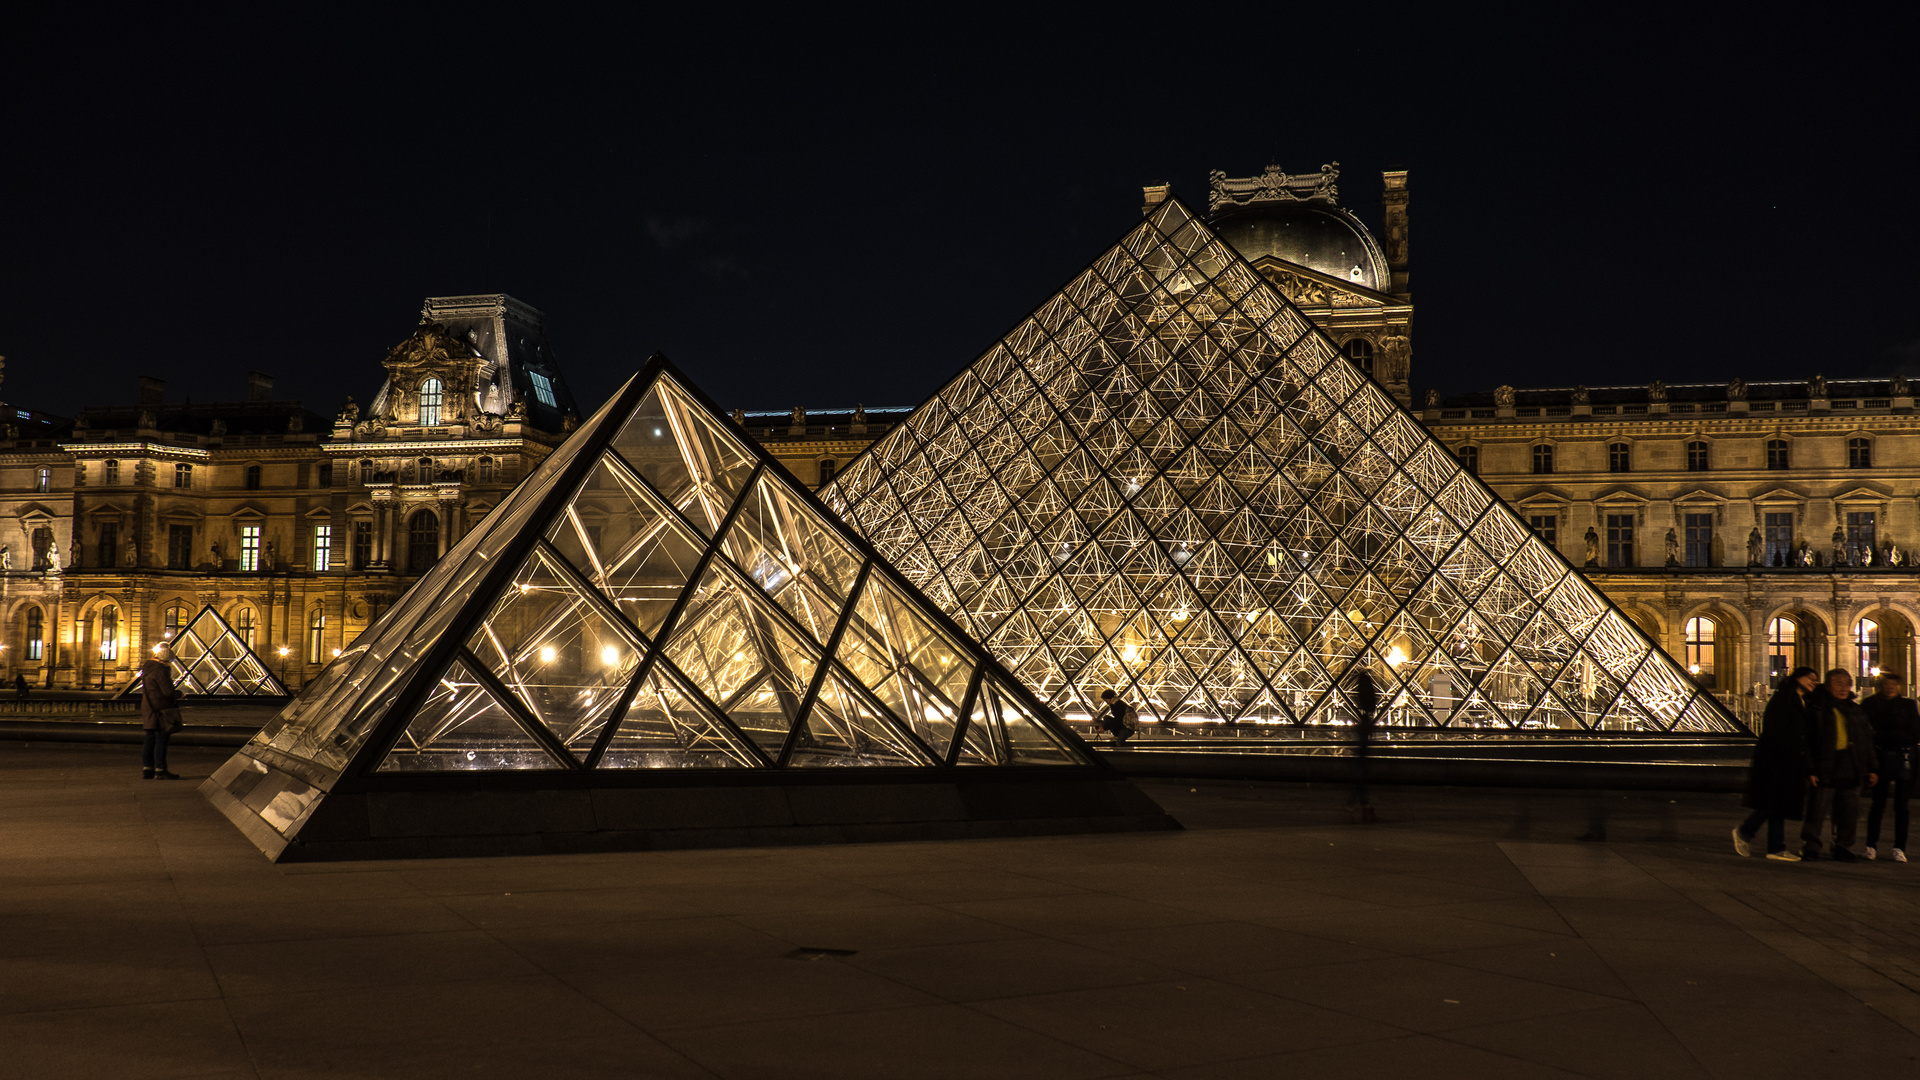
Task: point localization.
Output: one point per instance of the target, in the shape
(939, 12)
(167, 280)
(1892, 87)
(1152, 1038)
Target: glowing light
(656, 433)
(740, 657)
(524, 588)
(336, 652)
(1130, 653)
(610, 656)
(1180, 615)
(1875, 672)
(284, 650)
(1693, 669)
(546, 654)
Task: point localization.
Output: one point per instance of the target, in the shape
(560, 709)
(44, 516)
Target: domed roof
(1316, 234)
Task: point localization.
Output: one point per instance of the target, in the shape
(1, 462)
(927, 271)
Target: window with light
(1699, 641)
(430, 394)
(249, 547)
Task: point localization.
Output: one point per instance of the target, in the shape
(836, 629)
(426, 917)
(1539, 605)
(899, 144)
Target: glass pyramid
(210, 660)
(660, 594)
(1167, 479)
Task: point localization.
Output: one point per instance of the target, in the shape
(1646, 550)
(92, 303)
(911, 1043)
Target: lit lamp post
(283, 664)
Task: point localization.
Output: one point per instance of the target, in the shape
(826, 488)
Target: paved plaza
(1467, 934)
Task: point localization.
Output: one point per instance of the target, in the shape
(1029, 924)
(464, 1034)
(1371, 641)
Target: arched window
(1777, 453)
(1696, 457)
(243, 624)
(1859, 454)
(1700, 650)
(1360, 351)
(1782, 636)
(112, 472)
(1866, 638)
(423, 541)
(430, 402)
(316, 635)
(1469, 458)
(171, 620)
(110, 633)
(43, 479)
(253, 478)
(826, 472)
(1543, 458)
(1620, 457)
(36, 634)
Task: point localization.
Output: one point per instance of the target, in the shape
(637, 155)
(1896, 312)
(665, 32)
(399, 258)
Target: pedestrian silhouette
(1365, 698)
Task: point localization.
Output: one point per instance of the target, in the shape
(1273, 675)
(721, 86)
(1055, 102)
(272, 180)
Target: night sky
(816, 208)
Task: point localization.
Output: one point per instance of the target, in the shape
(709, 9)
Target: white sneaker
(1783, 856)
(1899, 856)
(1740, 843)
(1870, 855)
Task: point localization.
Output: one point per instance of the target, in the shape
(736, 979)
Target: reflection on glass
(462, 727)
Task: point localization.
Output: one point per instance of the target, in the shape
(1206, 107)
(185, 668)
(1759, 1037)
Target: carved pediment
(1622, 495)
(1778, 495)
(432, 343)
(1863, 494)
(1311, 288)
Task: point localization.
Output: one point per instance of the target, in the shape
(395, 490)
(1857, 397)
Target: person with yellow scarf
(1844, 763)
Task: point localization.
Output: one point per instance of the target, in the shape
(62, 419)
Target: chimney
(259, 387)
(152, 390)
(1154, 194)
(1395, 197)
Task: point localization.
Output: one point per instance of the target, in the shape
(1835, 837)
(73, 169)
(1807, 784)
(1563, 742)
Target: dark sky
(816, 209)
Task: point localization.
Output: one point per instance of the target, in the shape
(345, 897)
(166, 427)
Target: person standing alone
(159, 713)
(1365, 696)
(1782, 767)
(1843, 759)
(1896, 735)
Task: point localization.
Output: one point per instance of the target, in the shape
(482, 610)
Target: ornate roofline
(1273, 185)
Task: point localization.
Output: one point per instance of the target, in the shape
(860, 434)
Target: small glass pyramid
(1168, 479)
(660, 594)
(211, 660)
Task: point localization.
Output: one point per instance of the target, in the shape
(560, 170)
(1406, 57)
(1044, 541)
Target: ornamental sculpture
(1755, 547)
(1581, 396)
(1818, 387)
(1656, 391)
(1737, 390)
(1503, 396)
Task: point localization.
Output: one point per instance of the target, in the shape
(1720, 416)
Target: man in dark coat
(157, 700)
(1365, 696)
(1896, 735)
(1843, 762)
(1782, 767)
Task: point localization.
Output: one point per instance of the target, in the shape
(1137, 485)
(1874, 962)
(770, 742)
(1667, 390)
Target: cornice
(135, 449)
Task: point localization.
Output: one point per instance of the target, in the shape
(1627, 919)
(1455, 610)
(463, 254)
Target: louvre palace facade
(1744, 527)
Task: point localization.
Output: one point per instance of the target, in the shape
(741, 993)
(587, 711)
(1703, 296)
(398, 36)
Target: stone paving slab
(1466, 934)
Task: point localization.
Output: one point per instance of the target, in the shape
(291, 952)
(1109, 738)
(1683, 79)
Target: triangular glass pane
(798, 559)
(462, 727)
(684, 455)
(1027, 741)
(846, 727)
(665, 727)
(617, 536)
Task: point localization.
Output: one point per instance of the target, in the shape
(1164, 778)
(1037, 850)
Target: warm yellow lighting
(610, 656)
(740, 657)
(1875, 672)
(1395, 657)
(1130, 653)
(1693, 669)
(524, 587)
(546, 654)
(284, 650)
(336, 652)
(1180, 616)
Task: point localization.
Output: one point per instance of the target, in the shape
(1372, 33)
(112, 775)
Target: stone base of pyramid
(499, 814)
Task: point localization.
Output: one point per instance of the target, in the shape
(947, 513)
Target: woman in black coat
(1782, 766)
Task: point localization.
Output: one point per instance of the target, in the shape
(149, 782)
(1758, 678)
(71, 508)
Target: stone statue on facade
(295, 424)
(799, 418)
(1503, 396)
(6, 557)
(218, 427)
(1803, 553)
(740, 417)
(1737, 390)
(1673, 548)
(133, 552)
(53, 557)
(1433, 398)
(349, 413)
(267, 560)
(1755, 546)
(1839, 546)
(1900, 387)
(1894, 556)
(213, 551)
(1656, 391)
(1581, 396)
(859, 414)
(1818, 387)
(1593, 547)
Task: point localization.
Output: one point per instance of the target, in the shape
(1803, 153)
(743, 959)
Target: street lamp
(283, 665)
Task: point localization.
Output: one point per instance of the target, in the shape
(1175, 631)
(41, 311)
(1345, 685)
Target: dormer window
(543, 389)
(113, 472)
(430, 395)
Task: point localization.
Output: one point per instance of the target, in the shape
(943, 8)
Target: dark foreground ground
(1468, 934)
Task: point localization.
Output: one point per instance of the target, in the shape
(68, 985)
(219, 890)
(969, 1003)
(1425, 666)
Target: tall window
(323, 477)
(1543, 458)
(1860, 530)
(109, 543)
(1544, 526)
(316, 635)
(826, 471)
(423, 541)
(430, 403)
(1696, 457)
(110, 633)
(1620, 457)
(243, 625)
(42, 547)
(486, 470)
(1859, 453)
(366, 472)
(1781, 637)
(322, 547)
(183, 475)
(1360, 351)
(249, 547)
(542, 388)
(1700, 650)
(1699, 539)
(253, 478)
(112, 470)
(362, 544)
(1620, 539)
(1866, 639)
(43, 479)
(426, 470)
(171, 620)
(1777, 454)
(36, 634)
(1779, 537)
(180, 547)
(1469, 458)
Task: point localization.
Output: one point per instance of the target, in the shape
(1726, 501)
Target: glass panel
(460, 727)
(846, 727)
(556, 651)
(797, 558)
(697, 466)
(918, 671)
(1028, 741)
(619, 539)
(666, 728)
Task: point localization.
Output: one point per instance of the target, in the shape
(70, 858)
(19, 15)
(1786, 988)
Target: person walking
(1896, 735)
(159, 713)
(20, 686)
(1119, 718)
(1843, 758)
(1365, 698)
(1782, 767)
